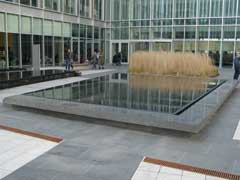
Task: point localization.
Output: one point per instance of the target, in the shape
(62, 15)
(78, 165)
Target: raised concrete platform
(193, 120)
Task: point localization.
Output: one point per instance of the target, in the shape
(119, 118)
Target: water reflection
(157, 94)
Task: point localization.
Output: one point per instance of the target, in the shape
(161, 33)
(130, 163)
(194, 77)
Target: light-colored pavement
(16, 150)
(148, 171)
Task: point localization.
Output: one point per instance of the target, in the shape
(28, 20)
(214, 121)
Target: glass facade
(197, 26)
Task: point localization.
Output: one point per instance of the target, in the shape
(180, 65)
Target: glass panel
(34, 3)
(89, 32)
(48, 47)
(48, 4)
(238, 46)
(125, 5)
(75, 50)
(58, 45)
(124, 52)
(124, 33)
(214, 49)
(13, 49)
(140, 46)
(136, 12)
(230, 7)
(2, 22)
(12, 24)
(215, 32)
(26, 49)
(67, 30)
(191, 9)
(69, 6)
(107, 10)
(178, 46)
(202, 47)
(179, 8)
(162, 46)
(37, 26)
(67, 46)
(26, 2)
(96, 32)
(26, 25)
(217, 8)
(229, 32)
(179, 32)
(98, 9)
(135, 33)
(228, 52)
(82, 51)
(89, 50)
(144, 33)
(189, 46)
(57, 28)
(203, 32)
(190, 32)
(47, 27)
(238, 32)
(167, 33)
(145, 9)
(38, 40)
(115, 33)
(204, 8)
(75, 30)
(115, 10)
(3, 62)
(82, 31)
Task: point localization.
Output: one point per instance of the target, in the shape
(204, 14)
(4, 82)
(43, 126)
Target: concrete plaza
(93, 151)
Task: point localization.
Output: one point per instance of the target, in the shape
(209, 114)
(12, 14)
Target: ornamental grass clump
(171, 63)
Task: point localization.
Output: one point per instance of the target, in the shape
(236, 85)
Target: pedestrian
(236, 67)
(68, 60)
(119, 56)
(101, 60)
(97, 58)
(94, 60)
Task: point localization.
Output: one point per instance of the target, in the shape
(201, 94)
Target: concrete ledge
(191, 120)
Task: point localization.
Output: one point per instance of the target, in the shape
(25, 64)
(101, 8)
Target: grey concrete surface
(92, 151)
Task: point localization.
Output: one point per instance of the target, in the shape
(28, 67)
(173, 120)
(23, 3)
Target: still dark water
(19, 75)
(140, 92)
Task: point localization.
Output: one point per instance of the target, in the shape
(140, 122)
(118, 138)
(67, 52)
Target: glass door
(115, 50)
(75, 51)
(124, 51)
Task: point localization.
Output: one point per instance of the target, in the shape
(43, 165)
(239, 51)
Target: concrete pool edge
(133, 117)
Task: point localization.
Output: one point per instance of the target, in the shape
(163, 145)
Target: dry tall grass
(169, 63)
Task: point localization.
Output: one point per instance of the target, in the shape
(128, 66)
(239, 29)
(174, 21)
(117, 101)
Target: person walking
(68, 60)
(119, 56)
(101, 60)
(97, 58)
(236, 67)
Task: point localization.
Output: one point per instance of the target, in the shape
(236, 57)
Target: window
(57, 28)
(47, 27)
(26, 24)
(12, 25)
(37, 26)
(2, 22)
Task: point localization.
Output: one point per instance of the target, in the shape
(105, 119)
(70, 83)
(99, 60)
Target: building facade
(55, 25)
(197, 26)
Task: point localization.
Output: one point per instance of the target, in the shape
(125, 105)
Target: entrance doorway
(120, 47)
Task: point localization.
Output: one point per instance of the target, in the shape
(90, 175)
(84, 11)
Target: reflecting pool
(172, 95)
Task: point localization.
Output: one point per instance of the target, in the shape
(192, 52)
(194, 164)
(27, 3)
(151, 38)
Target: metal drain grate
(193, 169)
(33, 134)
